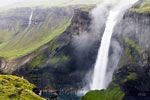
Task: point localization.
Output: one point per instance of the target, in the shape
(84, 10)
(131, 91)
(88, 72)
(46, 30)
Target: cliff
(131, 78)
(58, 63)
(62, 62)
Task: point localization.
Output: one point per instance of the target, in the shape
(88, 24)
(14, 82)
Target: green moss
(41, 57)
(64, 58)
(131, 76)
(133, 45)
(127, 52)
(15, 88)
(71, 30)
(37, 61)
(55, 60)
(145, 4)
(109, 94)
(144, 8)
(132, 52)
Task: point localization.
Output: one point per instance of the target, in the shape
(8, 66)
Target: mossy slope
(143, 9)
(109, 94)
(15, 88)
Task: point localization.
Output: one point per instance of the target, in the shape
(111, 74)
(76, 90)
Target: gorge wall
(60, 63)
(63, 62)
(131, 78)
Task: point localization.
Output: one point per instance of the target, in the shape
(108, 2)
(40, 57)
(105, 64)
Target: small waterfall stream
(100, 69)
(30, 19)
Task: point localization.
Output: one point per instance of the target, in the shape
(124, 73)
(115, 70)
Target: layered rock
(59, 64)
(131, 78)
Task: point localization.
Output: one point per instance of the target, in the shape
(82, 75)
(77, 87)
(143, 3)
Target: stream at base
(61, 96)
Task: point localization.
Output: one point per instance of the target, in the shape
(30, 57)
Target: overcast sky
(21, 3)
(11, 2)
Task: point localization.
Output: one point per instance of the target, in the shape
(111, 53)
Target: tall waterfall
(30, 19)
(100, 69)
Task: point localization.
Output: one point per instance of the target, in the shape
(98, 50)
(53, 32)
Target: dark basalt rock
(70, 69)
(132, 75)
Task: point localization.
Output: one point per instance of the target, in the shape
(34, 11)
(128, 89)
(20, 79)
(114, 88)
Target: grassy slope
(144, 8)
(15, 88)
(20, 45)
(30, 39)
(109, 94)
(21, 49)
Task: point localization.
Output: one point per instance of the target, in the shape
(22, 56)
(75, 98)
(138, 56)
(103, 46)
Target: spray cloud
(100, 71)
(105, 16)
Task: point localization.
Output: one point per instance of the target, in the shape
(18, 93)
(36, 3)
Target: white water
(100, 69)
(30, 19)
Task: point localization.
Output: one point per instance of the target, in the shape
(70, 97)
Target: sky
(7, 4)
(4, 3)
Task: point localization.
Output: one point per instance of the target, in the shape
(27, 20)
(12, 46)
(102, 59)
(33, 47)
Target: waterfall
(100, 70)
(30, 19)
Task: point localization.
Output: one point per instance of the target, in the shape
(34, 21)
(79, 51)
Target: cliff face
(63, 62)
(133, 72)
(131, 78)
(59, 64)
(24, 30)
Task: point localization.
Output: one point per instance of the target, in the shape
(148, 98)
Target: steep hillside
(55, 52)
(15, 88)
(24, 29)
(60, 58)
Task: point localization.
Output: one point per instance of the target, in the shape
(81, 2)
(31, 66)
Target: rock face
(14, 64)
(61, 62)
(133, 72)
(132, 75)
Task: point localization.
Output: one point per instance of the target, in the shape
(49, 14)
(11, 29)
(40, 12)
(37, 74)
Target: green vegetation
(108, 94)
(29, 40)
(131, 76)
(113, 92)
(144, 8)
(15, 88)
(145, 4)
(130, 43)
(132, 48)
(54, 60)
(38, 61)
(132, 52)
(57, 59)
(41, 56)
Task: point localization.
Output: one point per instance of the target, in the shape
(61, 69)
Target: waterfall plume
(99, 79)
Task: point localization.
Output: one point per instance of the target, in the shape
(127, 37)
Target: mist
(99, 17)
